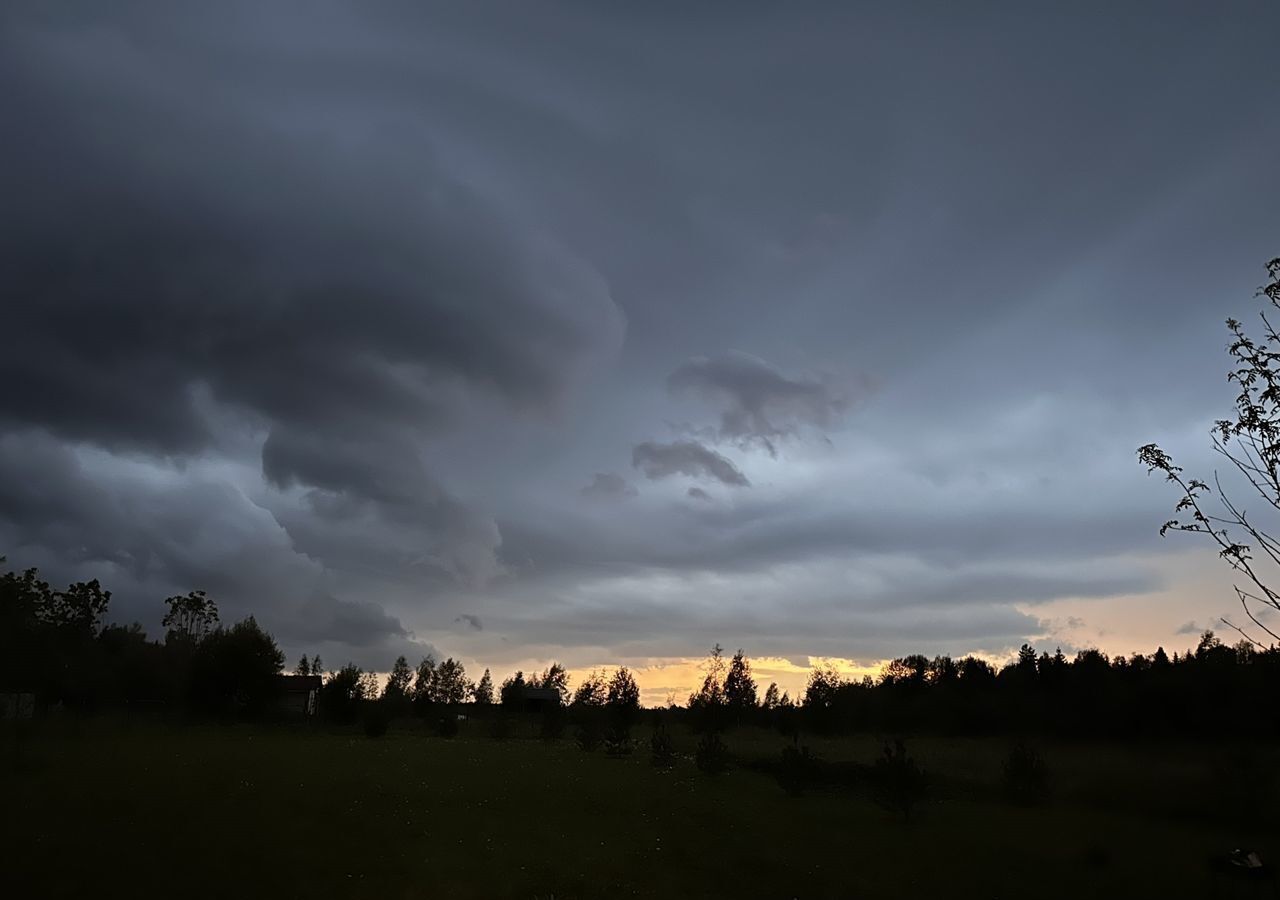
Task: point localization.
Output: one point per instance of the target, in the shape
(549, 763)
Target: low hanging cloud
(686, 458)
(757, 402)
(609, 485)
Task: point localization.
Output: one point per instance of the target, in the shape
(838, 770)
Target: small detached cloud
(697, 493)
(1196, 629)
(758, 403)
(609, 485)
(471, 621)
(686, 458)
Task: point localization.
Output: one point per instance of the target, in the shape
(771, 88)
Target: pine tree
(771, 697)
(303, 667)
(739, 686)
(483, 693)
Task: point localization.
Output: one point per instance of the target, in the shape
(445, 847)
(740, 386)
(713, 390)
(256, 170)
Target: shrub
(617, 741)
(799, 769)
(899, 782)
(588, 736)
(662, 749)
(1026, 776)
(712, 755)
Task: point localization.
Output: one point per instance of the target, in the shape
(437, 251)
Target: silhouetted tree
(190, 616)
(623, 698)
(740, 688)
(397, 693)
(712, 754)
(1250, 442)
(900, 782)
(708, 703)
(346, 691)
(662, 750)
(424, 694)
(771, 697)
(451, 685)
(1026, 776)
(317, 667)
(303, 667)
(592, 692)
(235, 669)
(483, 693)
(554, 677)
(512, 691)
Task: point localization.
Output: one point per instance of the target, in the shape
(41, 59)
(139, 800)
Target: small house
(539, 700)
(297, 695)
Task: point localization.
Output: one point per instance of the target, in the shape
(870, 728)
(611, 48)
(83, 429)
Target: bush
(799, 770)
(588, 736)
(900, 783)
(617, 741)
(662, 749)
(1026, 776)
(376, 717)
(712, 755)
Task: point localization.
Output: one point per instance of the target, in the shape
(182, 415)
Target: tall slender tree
(739, 686)
(483, 693)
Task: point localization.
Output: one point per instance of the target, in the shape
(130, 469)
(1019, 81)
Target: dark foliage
(800, 769)
(553, 722)
(345, 693)
(589, 735)
(662, 750)
(712, 754)
(617, 741)
(1026, 776)
(376, 717)
(900, 784)
(234, 670)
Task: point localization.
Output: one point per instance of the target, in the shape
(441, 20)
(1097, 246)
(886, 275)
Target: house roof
(532, 693)
(291, 683)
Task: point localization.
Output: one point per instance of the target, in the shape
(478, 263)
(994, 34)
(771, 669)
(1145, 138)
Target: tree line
(54, 644)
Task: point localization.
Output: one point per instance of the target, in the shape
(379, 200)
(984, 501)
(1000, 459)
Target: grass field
(97, 810)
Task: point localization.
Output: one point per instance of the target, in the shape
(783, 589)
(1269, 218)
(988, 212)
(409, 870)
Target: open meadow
(245, 811)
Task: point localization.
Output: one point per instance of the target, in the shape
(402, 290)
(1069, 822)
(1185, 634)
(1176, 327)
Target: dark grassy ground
(96, 810)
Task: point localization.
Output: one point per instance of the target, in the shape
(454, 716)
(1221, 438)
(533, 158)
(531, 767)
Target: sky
(603, 333)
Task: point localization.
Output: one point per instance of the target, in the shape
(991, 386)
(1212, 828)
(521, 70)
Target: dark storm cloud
(175, 260)
(69, 510)
(303, 300)
(756, 401)
(608, 484)
(686, 458)
(175, 246)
